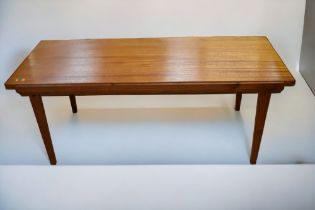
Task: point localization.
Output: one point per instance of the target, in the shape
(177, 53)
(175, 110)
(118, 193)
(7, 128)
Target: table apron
(148, 89)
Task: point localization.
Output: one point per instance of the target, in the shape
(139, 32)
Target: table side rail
(148, 89)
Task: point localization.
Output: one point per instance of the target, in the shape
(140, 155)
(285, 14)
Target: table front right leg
(39, 111)
(261, 113)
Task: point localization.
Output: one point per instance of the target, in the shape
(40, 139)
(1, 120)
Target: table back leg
(261, 113)
(238, 101)
(73, 104)
(40, 115)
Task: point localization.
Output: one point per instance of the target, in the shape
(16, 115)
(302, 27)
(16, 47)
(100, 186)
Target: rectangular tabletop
(179, 65)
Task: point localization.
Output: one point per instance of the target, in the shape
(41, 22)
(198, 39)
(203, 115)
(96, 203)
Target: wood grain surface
(111, 65)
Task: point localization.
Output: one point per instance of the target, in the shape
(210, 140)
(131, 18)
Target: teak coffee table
(147, 66)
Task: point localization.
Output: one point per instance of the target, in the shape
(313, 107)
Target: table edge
(150, 88)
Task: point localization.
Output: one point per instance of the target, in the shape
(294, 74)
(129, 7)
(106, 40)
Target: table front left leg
(40, 115)
(261, 113)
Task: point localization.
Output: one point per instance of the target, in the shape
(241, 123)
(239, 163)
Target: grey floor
(158, 187)
(200, 129)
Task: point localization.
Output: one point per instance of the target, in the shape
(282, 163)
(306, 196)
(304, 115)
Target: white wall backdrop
(23, 23)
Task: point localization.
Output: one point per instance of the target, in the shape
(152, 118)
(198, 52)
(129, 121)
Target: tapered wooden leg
(261, 113)
(73, 104)
(40, 115)
(238, 101)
